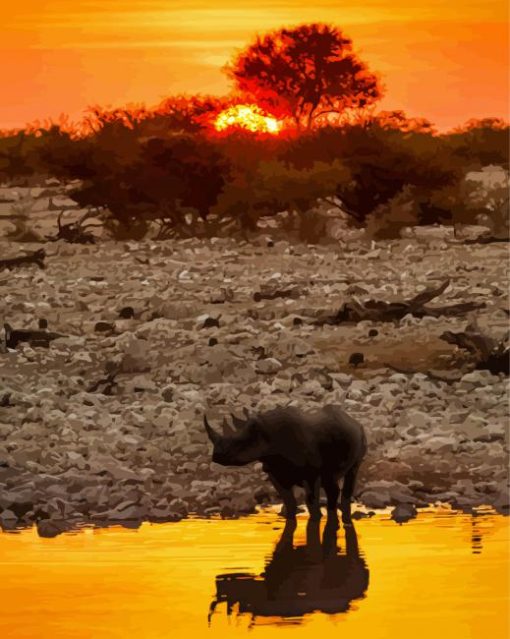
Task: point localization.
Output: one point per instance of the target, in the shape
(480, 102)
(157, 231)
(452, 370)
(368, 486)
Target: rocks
(403, 513)
(126, 510)
(268, 366)
(51, 527)
(208, 321)
(8, 520)
(107, 423)
(134, 359)
(355, 359)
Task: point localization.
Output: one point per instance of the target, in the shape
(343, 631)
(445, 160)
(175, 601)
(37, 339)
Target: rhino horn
(211, 433)
(227, 428)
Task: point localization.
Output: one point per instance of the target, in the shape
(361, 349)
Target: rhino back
(327, 439)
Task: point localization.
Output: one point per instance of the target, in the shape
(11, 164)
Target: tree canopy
(306, 73)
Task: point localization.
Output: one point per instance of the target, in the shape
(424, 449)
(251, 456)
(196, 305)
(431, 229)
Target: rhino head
(240, 443)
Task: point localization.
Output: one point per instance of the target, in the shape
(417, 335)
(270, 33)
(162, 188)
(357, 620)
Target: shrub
(479, 198)
(480, 143)
(390, 219)
(275, 188)
(382, 161)
(159, 179)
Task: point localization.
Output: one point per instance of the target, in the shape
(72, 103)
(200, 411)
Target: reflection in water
(299, 579)
(476, 536)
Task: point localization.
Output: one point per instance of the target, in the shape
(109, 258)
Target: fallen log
(356, 311)
(13, 336)
(37, 257)
(487, 353)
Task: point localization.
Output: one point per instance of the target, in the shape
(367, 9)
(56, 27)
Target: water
(442, 574)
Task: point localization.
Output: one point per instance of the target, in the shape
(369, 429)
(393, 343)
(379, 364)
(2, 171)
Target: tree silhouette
(307, 73)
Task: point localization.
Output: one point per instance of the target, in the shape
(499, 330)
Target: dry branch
(377, 311)
(268, 292)
(76, 232)
(36, 257)
(487, 353)
(36, 337)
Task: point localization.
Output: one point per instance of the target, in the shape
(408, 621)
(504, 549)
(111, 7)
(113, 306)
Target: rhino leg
(347, 490)
(332, 491)
(287, 495)
(313, 487)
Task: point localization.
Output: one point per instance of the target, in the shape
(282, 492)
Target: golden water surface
(440, 575)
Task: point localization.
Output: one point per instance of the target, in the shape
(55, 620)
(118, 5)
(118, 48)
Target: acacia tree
(307, 72)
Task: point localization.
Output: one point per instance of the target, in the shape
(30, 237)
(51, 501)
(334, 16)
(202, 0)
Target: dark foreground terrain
(106, 424)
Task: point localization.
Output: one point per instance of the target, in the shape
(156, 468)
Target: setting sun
(247, 116)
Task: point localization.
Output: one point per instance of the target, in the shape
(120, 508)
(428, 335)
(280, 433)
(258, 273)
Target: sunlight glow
(247, 116)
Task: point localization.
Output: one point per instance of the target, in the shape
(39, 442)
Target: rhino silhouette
(296, 448)
(298, 580)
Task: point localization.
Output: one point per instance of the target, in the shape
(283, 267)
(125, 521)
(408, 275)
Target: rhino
(296, 448)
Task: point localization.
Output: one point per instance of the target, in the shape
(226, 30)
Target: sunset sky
(445, 61)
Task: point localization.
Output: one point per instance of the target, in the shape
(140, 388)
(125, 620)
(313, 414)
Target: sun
(247, 116)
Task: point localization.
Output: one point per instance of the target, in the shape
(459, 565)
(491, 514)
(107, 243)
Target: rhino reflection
(299, 580)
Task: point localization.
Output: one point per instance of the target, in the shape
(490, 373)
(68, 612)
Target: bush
(382, 162)
(480, 143)
(479, 198)
(156, 180)
(390, 219)
(275, 188)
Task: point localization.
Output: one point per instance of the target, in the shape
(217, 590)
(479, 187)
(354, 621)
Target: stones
(225, 294)
(8, 520)
(72, 453)
(168, 393)
(268, 366)
(127, 312)
(477, 378)
(135, 357)
(403, 512)
(208, 321)
(356, 359)
(126, 510)
(52, 527)
(104, 327)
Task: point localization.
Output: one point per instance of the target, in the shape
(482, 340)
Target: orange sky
(444, 60)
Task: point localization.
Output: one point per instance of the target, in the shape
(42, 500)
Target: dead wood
(486, 352)
(378, 311)
(37, 257)
(268, 292)
(108, 383)
(76, 232)
(35, 337)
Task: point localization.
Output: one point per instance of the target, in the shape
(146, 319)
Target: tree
(305, 73)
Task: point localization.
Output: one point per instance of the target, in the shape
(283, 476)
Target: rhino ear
(238, 423)
(211, 433)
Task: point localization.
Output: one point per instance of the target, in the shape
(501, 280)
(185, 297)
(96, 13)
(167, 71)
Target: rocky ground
(106, 424)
